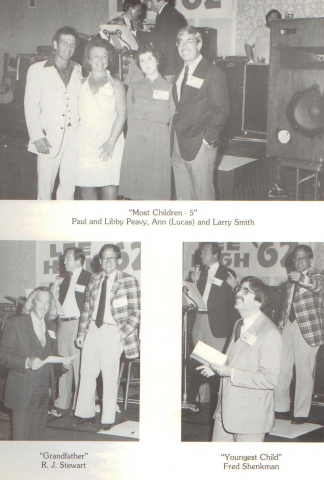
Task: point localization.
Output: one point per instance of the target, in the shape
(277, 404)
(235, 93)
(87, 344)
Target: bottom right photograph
(252, 342)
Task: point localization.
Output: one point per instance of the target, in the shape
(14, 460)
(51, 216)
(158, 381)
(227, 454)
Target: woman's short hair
(28, 305)
(259, 288)
(148, 49)
(190, 31)
(101, 43)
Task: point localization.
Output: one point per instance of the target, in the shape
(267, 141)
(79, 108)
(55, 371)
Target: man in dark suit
(302, 325)
(26, 342)
(71, 298)
(168, 22)
(213, 325)
(132, 10)
(202, 107)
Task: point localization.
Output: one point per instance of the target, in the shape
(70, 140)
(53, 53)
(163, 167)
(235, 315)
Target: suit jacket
(164, 37)
(50, 106)
(308, 306)
(125, 308)
(220, 304)
(20, 341)
(247, 402)
(121, 21)
(201, 112)
(83, 280)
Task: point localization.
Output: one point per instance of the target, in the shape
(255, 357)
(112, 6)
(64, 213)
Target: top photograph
(162, 100)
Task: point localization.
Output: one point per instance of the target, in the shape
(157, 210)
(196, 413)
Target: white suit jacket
(247, 401)
(50, 106)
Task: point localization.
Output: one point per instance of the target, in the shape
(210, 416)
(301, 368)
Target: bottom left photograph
(70, 340)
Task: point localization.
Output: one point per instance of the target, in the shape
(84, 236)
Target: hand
(79, 341)
(295, 276)
(42, 146)
(35, 363)
(195, 276)
(232, 281)
(107, 149)
(222, 370)
(206, 371)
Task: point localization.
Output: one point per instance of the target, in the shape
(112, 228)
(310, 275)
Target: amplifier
(209, 46)
(7, 309)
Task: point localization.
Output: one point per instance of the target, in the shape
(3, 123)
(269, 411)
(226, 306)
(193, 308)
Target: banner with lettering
(49, 258)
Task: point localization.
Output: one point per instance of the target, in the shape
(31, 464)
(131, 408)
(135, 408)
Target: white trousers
(66, 162)
(101, 352)
(66, 335)
(296, 351)
(221, 435)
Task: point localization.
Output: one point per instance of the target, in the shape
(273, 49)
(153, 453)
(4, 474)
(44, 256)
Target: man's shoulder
(126, 278)
(117, 21)
(267, 324)
(315, 271)
(38, 66)
(85, 274)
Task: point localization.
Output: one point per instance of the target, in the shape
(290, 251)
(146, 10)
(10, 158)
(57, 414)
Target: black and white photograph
(252, 343)
(161, 100)
(70, 349)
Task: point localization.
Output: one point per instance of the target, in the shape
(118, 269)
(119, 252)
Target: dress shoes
(84, 421)
(282, 415)
(104, 427)
(299, 420)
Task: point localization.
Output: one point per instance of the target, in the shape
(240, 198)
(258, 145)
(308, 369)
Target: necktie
(42, 333)
(132, 25)
(184, 81)
(102, 303)
(203, 280)
(238, 330)
(292, 314)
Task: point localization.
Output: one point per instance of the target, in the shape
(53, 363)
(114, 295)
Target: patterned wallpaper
(251, 13)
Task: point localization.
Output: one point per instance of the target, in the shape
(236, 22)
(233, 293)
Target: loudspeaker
(209, 46)
(255, 100)
(296, 87)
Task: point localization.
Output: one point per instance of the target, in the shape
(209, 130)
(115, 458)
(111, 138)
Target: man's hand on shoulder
(42, 146)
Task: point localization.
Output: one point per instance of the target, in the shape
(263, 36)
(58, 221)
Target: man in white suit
(52, 116)
(245, 410)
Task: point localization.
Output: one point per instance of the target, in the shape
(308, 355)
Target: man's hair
(145, 49)
(215, 248)
(190, 31)
(259, 288)
(113, 247)
(130, 4)
(28, 305)
(77, 253)
(67, 31)
(307, 249)
(271, 12)
(101, 43)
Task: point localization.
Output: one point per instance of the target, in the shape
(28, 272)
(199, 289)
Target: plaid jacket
(125, 308)
(308, 305)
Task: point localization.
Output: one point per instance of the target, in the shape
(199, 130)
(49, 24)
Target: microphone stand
(188, 305)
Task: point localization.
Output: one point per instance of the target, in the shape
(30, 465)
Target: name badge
(195, 82)
(217, 281)
(248, 338)
(52, 334)
(161, 94)
(80, 288)
(120, 302)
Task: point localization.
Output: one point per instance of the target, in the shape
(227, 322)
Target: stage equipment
(188, 305)
(296, 88)
(255, 99)
(209, 46)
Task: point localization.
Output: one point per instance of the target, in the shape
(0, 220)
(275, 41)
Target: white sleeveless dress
(97, 114)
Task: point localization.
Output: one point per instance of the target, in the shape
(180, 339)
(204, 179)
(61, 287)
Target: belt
(202, 311)
(106, 323)
(68, 319)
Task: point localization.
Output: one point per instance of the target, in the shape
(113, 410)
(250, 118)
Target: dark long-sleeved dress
(146, 165)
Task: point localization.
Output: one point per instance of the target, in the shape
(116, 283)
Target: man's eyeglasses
(244, 290)
(297, 259)
(109, 259)
(188, 43)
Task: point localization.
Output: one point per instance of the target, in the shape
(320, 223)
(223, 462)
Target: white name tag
(80, 288)
(120, 302)
(195, 82)
(52, 334)
(161, 94)
(217, 281)
(248, 338)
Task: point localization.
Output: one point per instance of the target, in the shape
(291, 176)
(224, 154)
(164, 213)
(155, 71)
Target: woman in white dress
(103, 115)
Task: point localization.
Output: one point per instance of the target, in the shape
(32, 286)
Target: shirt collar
(159, 12)
(248, 321)
(51, 63)
(77, 272)
(193, 65)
